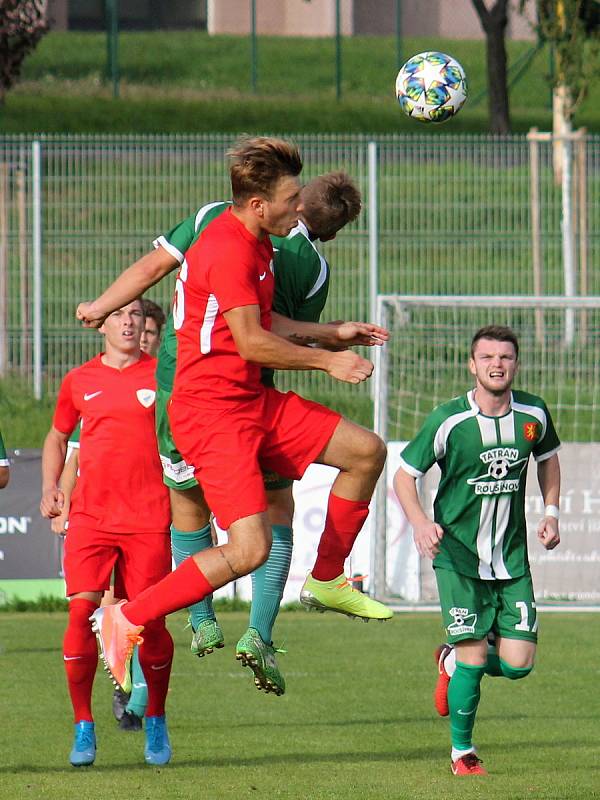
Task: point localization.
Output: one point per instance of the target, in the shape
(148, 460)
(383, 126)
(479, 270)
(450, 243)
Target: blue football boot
(84, 747)
(158, 748)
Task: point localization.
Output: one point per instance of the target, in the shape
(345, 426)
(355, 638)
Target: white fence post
(36, 177)
(568, 239)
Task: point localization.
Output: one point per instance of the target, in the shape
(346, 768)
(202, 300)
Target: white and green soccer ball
(431, 87)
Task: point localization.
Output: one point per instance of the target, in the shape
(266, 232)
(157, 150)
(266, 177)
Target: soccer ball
(431, 87)
(498, 468)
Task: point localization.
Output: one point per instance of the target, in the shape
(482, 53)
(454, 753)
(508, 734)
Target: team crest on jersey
(464, 621)
(146, 397)
(530, 431)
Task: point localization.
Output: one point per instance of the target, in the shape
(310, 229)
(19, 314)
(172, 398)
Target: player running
(478, 542)
(301, 286)
(225, 422)
(119, 517)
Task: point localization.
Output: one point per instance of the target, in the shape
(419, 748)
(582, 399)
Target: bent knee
(515, 672)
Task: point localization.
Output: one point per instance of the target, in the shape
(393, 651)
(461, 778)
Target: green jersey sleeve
(549, 442)
(419, 455)
(178, 239)
(3, 456)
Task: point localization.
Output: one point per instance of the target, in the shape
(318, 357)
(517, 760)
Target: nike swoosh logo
(71, 658)
(465, 713)
(262, 277)
(93, 394)
(161, 666)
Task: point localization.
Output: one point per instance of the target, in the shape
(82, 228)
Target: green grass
(356, 721)
(189, 81)
(24, 421)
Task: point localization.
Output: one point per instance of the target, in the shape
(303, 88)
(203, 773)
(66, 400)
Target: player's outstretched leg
(117, 637)
(252, 651)
(339, 595)
(83, 752)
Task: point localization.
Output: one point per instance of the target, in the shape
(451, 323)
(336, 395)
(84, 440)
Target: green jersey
(3, 458)
(301, 280)
(480, 501)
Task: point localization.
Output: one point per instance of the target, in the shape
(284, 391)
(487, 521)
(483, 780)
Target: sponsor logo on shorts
(464, 621)
(179, 472)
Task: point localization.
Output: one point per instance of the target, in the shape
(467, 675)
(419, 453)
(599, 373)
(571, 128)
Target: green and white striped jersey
(301, 280)
(480, 502)
(3, 457)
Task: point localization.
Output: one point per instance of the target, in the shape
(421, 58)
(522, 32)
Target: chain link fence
(445, 215)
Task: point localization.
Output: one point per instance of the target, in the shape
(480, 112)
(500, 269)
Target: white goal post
(425, 363)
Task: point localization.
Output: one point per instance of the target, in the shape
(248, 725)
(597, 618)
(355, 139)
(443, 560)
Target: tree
(494, 21)
(22, 25)
(571, 29)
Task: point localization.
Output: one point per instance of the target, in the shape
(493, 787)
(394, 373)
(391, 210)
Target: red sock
(182, 588)
(156, 655)
(343, 522)
(80, 655)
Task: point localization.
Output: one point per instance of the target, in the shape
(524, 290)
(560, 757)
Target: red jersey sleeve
(66, 415)
(233, 278)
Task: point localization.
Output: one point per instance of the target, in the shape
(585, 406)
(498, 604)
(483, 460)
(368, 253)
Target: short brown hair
(154, 311)
(329, 202)
(498, 333)
(256, 163)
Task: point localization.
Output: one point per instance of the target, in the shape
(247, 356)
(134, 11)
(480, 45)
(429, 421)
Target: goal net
(426, 363)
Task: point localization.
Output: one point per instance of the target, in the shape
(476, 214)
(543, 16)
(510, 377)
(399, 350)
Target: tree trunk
(494, 22)
(561, 126)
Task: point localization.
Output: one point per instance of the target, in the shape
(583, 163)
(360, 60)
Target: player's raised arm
(256, 344)
(131, 283)
(333, 336)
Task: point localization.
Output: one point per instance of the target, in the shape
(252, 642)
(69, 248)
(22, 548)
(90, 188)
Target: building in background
(133, 14)
(451, 19)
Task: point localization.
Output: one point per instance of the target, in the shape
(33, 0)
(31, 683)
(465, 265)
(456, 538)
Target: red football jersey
(227, 267)
(120, 486)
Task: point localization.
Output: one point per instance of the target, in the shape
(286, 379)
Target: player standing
(155, 319)
(119, 517)
(226, 423)
(478, 542)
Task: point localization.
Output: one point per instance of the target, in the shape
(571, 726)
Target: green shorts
(176, 473)
(471, 607)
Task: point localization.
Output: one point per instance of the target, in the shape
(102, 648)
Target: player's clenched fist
(349, 367)
(52, 503)
(89, 316)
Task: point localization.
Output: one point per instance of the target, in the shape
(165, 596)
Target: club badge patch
(531, 430)
(146, 397)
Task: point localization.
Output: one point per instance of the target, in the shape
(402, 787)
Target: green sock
(139, 690)
(493, 667)
(513, 673)
(463, 699)
(268, 583)
(183, 545)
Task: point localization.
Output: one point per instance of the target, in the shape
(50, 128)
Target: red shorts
(230, 448)
(139, 560)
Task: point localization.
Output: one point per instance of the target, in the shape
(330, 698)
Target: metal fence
(442, 215)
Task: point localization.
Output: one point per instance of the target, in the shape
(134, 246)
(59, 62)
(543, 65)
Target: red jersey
(227, 267)
(120, 487)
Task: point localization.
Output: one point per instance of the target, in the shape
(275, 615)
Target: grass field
(356, 721)
(189, 81)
